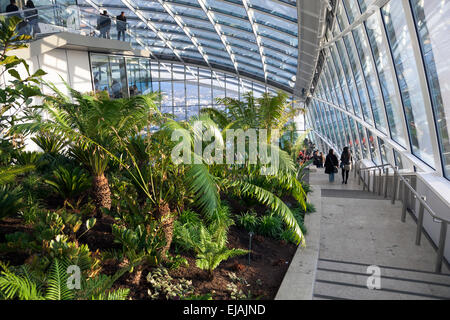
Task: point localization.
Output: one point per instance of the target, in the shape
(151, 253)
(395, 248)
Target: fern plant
(210, 252)
(208, 242)
(24, 284)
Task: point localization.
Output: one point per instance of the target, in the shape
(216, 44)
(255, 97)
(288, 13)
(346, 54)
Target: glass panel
(348, 74)
(408, 78)
(398, 159)
(356, 137)
(374, 151)
(370, 76)
(393, 106)
(100, 72)
(432, 20)
(119, 88)
(383, 151)
(352, 10)
(354, 63)
(364, 145)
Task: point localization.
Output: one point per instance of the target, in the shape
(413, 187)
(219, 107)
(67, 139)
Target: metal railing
(380, 183)
(50, 19)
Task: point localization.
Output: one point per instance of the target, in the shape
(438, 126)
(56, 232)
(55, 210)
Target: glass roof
(258, 38)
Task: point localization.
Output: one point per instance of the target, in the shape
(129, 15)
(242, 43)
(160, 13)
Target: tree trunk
(167, 220)
(102, 193)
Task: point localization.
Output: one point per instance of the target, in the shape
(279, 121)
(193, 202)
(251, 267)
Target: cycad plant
(94, 125)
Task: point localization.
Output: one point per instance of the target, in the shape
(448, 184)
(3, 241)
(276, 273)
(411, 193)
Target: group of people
(29, 24)
(318, 159)
(104, 25)
(332, 164)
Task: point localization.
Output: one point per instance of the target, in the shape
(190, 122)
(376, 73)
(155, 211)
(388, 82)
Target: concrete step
(344, 280)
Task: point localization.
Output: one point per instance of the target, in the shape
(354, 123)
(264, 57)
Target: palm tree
(206, 181)
(94, 125)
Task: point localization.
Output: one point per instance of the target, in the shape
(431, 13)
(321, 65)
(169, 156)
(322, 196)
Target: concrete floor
(358, 230)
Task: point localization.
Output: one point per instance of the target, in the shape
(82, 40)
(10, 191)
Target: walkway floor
(359, 229)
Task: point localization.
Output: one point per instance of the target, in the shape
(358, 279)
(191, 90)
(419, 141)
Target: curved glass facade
(254, 38)
(186, 89)
(385, 84)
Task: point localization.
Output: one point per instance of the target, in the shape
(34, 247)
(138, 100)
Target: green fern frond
(57, 282)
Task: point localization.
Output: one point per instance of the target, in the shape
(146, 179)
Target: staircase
(348, 280)
(359, 229)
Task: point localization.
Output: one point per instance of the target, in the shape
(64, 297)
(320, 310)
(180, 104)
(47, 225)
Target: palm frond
(272, 201)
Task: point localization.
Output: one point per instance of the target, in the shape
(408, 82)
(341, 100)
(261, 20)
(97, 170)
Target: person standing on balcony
(331, 165)
(32, 16)
(346, 159)
(121, 25)
(12, 7)
(104, 24)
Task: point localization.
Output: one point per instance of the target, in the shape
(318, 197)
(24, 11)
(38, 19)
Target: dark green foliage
(249, 221)
(270, 225)
(25, 284)
(24, 158)
(189, 217)
(11, 201)
(69, 183)
(50, 143)
(141, 244)
(207, 241)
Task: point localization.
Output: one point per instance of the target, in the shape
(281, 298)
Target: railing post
(394, 186)
(405, 200)
(386, 181)
(440, 252)
(368, 180)
(364, 179)
(420, 220)
(355, 167)
(359, 177)
(380, 182)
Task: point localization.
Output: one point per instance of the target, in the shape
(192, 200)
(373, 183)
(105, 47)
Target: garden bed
(270, 259)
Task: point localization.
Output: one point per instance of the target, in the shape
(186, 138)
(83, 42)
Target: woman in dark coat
(331, 165)
(346, 159)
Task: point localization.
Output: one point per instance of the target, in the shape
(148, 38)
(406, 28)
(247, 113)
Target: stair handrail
(422, 203)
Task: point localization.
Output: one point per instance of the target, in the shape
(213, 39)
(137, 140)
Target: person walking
(346, 159)
(321, 160)
(121, 25)
(331, 165)
(32, 17)
(104, 24)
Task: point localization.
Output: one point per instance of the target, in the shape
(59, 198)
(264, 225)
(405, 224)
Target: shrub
(270, 225)
(190, 217)
(25, 158)
(69, 183)
(249, 221)
(50, 143)
(208, 242)
(11, 201)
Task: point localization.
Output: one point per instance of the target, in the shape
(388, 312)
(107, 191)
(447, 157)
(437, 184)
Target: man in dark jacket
(121, 25)
(104, 24)
(12, 7)
(331, 165)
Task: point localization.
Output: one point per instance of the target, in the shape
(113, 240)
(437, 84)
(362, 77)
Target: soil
(269, 262)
